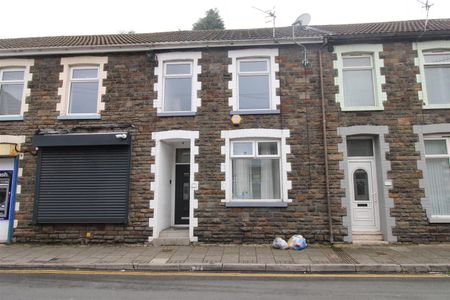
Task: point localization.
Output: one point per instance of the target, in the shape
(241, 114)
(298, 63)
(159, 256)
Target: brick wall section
(129, 99)
(402, 110)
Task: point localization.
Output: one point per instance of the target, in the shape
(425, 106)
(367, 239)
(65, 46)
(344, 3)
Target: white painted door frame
(365, 215)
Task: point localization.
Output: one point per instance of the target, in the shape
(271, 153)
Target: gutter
(14, 52)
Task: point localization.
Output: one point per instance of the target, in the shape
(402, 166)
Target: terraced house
(337, 132)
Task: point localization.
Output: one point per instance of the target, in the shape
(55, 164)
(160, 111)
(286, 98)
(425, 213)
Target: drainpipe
(325, 144)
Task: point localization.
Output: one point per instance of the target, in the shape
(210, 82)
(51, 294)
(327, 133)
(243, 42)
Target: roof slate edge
(153, 47)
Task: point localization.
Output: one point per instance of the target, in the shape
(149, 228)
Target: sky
(29, 18)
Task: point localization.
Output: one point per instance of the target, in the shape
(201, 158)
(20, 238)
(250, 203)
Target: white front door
(363, 195)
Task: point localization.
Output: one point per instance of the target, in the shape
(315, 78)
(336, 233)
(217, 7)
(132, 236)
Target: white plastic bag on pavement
(279, 243)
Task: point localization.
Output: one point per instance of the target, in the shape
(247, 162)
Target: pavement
(431, 258)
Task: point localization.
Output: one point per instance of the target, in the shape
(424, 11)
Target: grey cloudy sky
(25, 18)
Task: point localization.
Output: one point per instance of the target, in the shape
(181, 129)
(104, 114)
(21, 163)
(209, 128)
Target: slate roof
(343, 31)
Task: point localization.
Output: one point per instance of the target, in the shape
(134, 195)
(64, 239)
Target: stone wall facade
(129, 104)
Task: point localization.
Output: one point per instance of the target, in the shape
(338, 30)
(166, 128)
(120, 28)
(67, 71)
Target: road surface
(198, 286)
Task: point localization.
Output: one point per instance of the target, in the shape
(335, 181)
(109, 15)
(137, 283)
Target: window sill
(255, 112)
(444, 106)
(177, 114)
(368, 108)
(440, 219)
(256, 204)
(11, 118)
(80, 117)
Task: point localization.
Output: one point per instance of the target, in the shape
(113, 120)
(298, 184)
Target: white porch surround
(161, 220)
(387, 222)
(280, 134)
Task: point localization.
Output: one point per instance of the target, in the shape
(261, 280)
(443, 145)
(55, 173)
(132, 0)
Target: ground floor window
(255, 170)
(437, 158)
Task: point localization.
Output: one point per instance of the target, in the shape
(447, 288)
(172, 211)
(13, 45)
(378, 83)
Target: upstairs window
(358, 79)
(253, 81)
(178, 87)
(358, 70)
(254, 84)
(11, 91)
(82, 87)
(437, 78)
(84, 90)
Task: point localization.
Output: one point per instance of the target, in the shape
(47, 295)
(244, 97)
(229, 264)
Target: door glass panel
(361, 185)
(360, 147)
(183, 156)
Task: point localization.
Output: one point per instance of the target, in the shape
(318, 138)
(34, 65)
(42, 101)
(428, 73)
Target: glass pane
(267, 148)
(361, 185)
(358, 88)
(173, 69)
(438, 84)
(256, 179)
(438, 187)
(242, 148)
(177, 94)
(183, 156)
(254, 92)
(443, 58)
(359, 147)
(10, 99)
(13, 75)
(83, 97)
(253, 66)
(85, 73)
(356, 61)
(435, 147)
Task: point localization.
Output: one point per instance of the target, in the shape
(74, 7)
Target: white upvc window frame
(256, 135)
(69, 64)
(255, 54)
(193, 58)
(6, 82)
(357, 68)
(362, 50)
(446, 138)
(256, 156)
(178, 76)
(428, 49)
(23, 65)
(253, 73)
(83, 80)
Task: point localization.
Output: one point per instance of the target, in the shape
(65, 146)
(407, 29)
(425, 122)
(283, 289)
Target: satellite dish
(303, 20)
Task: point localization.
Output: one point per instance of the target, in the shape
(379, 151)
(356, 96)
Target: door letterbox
(5, 193)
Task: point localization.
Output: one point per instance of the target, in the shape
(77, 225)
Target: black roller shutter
(82, 184)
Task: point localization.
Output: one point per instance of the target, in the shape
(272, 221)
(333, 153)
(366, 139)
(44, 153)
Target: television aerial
(269, 14)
